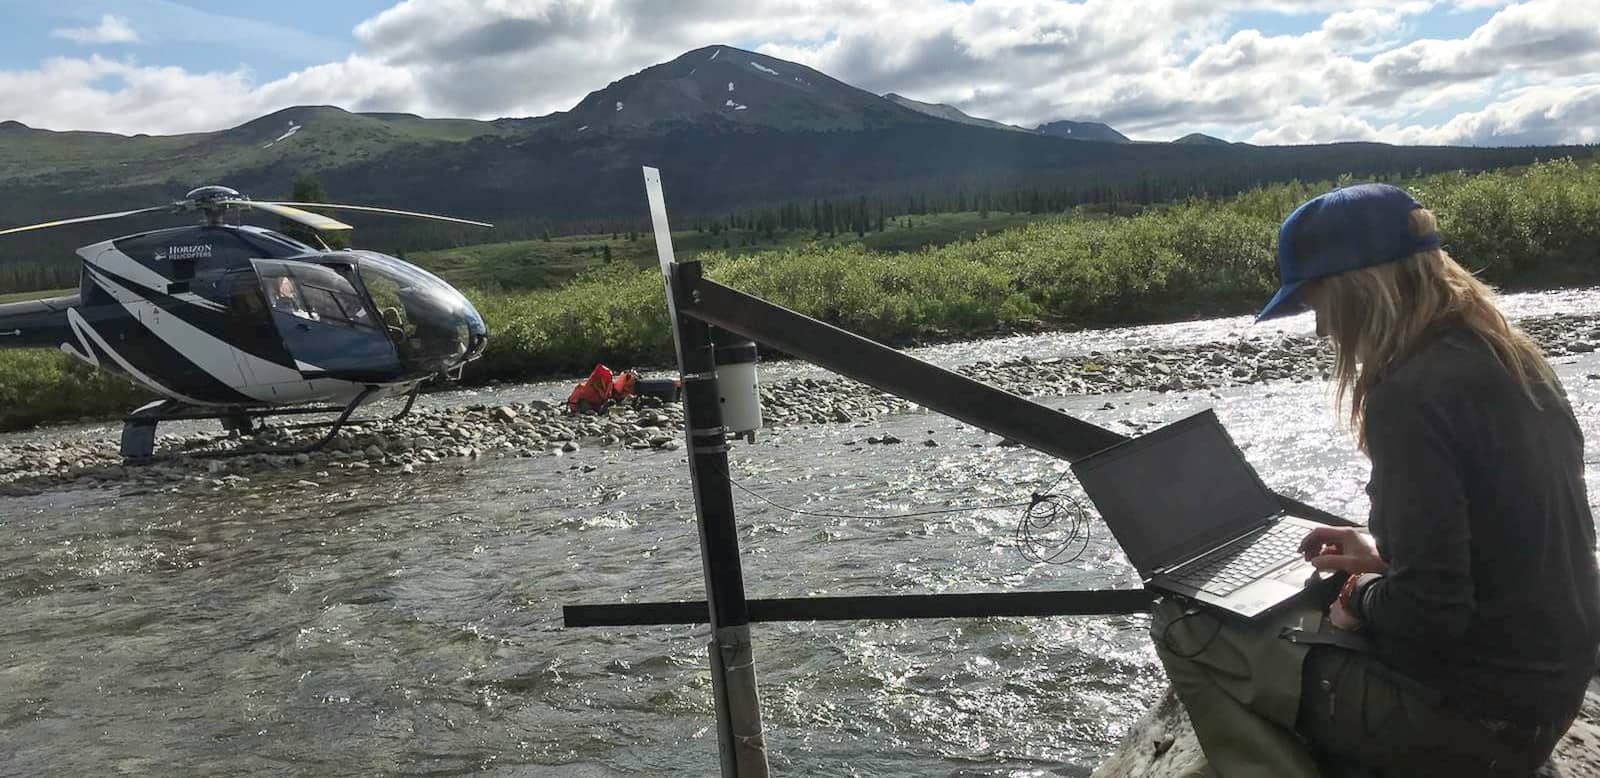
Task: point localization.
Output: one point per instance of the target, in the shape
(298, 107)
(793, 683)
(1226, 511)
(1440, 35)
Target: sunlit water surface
(411, 625)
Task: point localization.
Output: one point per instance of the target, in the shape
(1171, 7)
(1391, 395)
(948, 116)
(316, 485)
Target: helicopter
(237, 322)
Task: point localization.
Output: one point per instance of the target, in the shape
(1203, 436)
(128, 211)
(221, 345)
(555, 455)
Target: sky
(1461, 72)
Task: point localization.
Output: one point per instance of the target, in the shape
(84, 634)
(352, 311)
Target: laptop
(1196, 520)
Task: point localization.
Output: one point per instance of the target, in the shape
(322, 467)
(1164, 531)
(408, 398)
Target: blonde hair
(1376, 315)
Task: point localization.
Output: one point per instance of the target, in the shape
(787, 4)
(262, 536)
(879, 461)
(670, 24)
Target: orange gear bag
(593, 393)
(625, 385)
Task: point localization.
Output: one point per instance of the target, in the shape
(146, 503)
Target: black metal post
(733, 669)
(733, 675)
(708, 465)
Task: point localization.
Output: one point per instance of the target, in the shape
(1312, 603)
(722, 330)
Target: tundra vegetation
(1532, 227)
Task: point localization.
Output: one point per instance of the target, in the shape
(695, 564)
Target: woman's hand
(1345, 549)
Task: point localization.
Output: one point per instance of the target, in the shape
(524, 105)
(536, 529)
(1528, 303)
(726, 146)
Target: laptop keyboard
(1231, 568)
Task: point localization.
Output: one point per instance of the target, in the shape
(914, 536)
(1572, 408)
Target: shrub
(37, 386)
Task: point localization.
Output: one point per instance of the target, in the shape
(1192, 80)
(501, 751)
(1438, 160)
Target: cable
(1189, 613)
(1047, 511)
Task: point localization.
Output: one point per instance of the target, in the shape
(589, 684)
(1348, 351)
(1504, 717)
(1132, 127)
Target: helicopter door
(249, 326)
(258, 348)
(327, 325)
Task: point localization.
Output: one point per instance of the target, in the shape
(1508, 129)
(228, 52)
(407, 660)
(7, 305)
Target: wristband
(1347, 591)
(1358, 593)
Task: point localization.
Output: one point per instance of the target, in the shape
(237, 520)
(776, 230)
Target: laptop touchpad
(1300, 574)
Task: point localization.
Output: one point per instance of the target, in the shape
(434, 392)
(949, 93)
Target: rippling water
(411, 626)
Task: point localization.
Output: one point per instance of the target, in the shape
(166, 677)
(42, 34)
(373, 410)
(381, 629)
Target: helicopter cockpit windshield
(435, 328)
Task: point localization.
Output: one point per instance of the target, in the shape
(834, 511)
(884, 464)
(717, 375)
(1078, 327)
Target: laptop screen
(1175, 491)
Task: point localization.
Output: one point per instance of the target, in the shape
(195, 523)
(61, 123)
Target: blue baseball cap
(1346, 229)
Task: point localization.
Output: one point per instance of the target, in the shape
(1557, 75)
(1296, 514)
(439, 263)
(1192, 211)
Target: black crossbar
(1101, 602)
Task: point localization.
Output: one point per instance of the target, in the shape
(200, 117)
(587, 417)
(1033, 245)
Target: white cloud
(129, 98)
(1534, 116)
(1359, 26)
(112, 29)
(1154, 69)
(106, 94)
(1546, 36)
(356, 84)
(1301, 124)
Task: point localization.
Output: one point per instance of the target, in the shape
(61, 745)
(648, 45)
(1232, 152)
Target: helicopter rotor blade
(84, 219)
(391, 211)
(315, 221)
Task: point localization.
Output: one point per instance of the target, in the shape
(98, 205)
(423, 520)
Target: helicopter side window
(328, 305)
(322, 304)
(330, 297)
(391, 310)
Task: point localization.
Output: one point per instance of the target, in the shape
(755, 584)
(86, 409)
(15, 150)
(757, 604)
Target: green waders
(1266, 697)
(1241, 685)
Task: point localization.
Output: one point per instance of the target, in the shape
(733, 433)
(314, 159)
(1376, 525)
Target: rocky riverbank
(542, 428)
(1163, 744)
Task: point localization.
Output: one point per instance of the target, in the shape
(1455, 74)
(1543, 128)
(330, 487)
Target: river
(411, 626)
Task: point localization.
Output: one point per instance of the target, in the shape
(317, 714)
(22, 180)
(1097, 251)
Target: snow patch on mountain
(293, 128)
(757, 66)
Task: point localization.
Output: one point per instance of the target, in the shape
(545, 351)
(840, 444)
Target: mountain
(1200, 139)
(381, 128)
(725, 87)
(729, 129)
(949, 113)
(1083, 131)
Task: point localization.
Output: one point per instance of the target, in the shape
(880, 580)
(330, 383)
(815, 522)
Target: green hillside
(306, 138)
(543, 263)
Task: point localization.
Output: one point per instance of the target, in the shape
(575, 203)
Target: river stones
(541, 427)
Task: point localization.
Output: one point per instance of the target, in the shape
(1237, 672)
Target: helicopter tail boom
(36, 323)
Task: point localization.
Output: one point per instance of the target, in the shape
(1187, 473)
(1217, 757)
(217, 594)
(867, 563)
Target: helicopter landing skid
(139, 427)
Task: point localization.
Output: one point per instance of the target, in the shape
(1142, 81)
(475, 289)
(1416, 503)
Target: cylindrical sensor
(738, 389)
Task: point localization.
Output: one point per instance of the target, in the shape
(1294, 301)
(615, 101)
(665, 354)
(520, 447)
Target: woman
(1463, 639)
